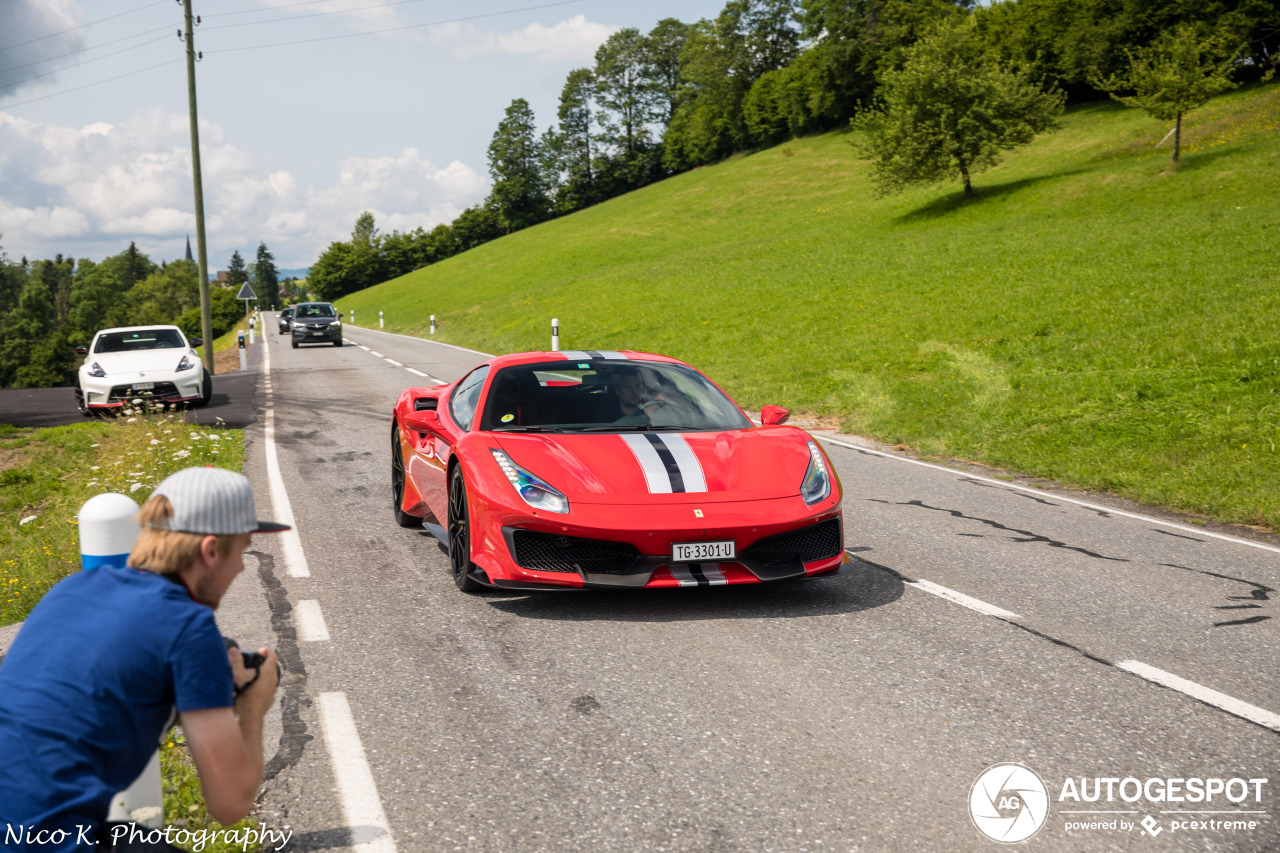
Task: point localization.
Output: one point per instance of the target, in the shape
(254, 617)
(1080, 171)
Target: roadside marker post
(380, 325)
(244, 362)
(555, 335)
(107, 533)
(433, 324)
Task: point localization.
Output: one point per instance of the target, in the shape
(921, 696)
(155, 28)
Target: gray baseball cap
(212, 502)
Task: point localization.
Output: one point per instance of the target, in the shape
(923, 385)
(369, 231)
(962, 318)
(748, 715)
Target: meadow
(1091, 317)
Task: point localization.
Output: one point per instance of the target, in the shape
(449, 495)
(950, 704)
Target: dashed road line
(378, 354)
(361, 806)
(1221, 701)
(392, 361)
(311, 627)
(1207, 695)
(962, 599)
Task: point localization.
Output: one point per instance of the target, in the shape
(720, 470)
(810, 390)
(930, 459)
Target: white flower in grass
(134, 487)
(173, 439)
(155, 441)
(28, 519)
(214, 450)
(93, 445)
(131, 420)
(96, 468)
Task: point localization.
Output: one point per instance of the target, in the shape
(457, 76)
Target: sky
(311, 111)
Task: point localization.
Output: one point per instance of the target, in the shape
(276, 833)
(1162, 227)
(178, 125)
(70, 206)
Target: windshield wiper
(526, 429)
(640, 428)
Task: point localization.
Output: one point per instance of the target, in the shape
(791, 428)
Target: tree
(950, 110)
(661, 65)
(237, 274)
(1180, 71)
(165, 295)
(515, 164)
(625, 98)
(568, 150)
(266, 279)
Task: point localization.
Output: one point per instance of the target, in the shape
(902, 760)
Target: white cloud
(365, 18)
(106, 184)
(575, 39)
(27, 25)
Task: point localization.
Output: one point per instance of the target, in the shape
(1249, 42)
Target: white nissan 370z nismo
(153, 363)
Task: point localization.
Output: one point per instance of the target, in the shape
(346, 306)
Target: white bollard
(107, 530)
(555, 335)
(107, 533)
(244, 361)
(353, 318)
(380, 320)
(433, 324)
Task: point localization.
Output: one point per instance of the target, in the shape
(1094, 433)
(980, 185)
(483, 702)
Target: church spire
(189, 248)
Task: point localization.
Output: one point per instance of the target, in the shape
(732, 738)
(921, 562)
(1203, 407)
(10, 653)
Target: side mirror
(339, 314)
(82, 350)
(773, 415)
(424, 421)
(196, 342)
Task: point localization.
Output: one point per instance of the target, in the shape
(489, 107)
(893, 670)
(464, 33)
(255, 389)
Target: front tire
(460, 564)
(338, 342)
(397, 483)
(294, 342)
(81, 405)
(206, 392)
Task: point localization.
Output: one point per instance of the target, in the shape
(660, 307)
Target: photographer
(109, 656)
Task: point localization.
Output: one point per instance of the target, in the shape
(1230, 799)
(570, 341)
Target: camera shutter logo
(1008, 803)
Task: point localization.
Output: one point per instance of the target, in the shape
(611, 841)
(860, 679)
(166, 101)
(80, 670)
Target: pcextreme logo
(1008, 803)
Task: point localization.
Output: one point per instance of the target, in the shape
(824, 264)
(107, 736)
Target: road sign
(246, 292)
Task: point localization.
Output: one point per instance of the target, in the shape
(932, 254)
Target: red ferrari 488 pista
(558, 470)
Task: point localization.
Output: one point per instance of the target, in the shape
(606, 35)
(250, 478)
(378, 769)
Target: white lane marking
(1231, 705)
(429, 341)
(290, 540)
(392, 361)
(425, 375)
(378, 354)
(356, 791)
(363, 347)
(311, 627)
(961, 599)
(1058, 497)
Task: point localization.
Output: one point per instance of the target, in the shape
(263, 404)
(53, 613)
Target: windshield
(606, 396)
(139, 340)
(314, 311)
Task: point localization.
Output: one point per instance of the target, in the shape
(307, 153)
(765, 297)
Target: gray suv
(316, 323)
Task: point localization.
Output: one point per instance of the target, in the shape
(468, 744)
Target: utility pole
(206, 316)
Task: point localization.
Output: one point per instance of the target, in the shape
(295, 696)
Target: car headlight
(97, 370)
(185, 364)
(337, 324)
(535, 491)
(816, 485)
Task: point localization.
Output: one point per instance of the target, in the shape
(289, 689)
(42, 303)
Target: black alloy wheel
(397, 483)
(460, 534)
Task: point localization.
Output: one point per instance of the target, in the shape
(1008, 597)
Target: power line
(89, 85)
(85, 49)
(389, 29)
(292, 18)
(86, 62)
(305, 3)
(82, 26)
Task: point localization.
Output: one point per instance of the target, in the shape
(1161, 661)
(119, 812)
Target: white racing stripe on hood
(655, 473)
(668, 462)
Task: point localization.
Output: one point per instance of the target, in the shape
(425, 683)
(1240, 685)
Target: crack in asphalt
(1259, 592)
(294, 736)
(1030, 537)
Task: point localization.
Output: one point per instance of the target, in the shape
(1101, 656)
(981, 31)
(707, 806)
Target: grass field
(47, 475)
(1090, 317)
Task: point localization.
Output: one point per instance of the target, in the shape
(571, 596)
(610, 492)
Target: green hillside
(1090, 317)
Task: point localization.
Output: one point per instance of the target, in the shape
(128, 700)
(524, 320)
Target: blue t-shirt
(88, 689)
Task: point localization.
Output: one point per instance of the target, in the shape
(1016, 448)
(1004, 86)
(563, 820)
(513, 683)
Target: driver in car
(626, 405)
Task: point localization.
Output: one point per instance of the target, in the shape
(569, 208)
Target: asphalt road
(985, 623)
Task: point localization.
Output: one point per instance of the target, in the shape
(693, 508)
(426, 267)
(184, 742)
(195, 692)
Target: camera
(252, 660)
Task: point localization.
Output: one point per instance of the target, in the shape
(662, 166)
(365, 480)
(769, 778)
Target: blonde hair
(167, 551)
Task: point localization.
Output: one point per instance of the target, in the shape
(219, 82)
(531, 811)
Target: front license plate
(317, 333)
(143, 386)
(694, 552)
